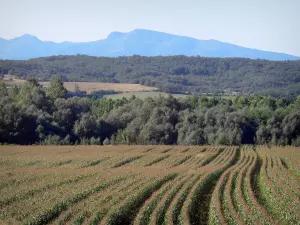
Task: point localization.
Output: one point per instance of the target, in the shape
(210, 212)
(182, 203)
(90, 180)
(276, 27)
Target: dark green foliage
(170, 74)
(29, 116)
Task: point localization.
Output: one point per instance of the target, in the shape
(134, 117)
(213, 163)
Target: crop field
(89, 87)
(143, 95)
(149, 185)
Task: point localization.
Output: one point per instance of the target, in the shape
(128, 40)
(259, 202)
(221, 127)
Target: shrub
(106, 141)
(95, 141)
(51, 140)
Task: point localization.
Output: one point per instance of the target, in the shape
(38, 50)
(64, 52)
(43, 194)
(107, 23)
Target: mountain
(137, 42)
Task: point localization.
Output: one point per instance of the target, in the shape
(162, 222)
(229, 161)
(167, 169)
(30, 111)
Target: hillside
(176, 74)
(137, 42)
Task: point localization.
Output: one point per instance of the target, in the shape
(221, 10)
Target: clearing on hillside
(89, 87)
(143, 95)
(123, 185)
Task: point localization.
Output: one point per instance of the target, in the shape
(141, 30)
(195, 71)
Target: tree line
(172, 74)
(31, 114)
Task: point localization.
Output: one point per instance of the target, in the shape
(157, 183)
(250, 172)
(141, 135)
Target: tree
(32, 93)
(95, 141)
(86, 127)
(291, 126)
(76, 89)
(106, 141)
(3, 89)
(56, 90)
(1, 74)
(190, 130)
(52, 140)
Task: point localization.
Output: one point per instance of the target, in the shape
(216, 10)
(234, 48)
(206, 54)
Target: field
(149, 185)
(90, 87)
(127, 90)
(143, 95)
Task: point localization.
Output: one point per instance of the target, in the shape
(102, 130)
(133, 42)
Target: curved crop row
(219, 209)
(145, 215)
(159, 215)
(269, 196)
(126, 213)
(281, 186)
(126, 161)
(57, 209)
(289, 181)
(277, 202)
(98, 203)
(183, 186)
(118, 197)
(18, 182)
(182, 160)
(166, 150)
(223, 156)
(210, 159)
(174, 208)
(255, 213)
(157, 160)
(227, 204)
(30, 193)
(241, 188)
(185, 150)
(92, 162)
(198, 209)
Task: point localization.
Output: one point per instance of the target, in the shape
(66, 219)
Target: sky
(272, 25)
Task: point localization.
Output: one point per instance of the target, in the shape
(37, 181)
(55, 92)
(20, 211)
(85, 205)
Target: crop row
(274, 195)
(154, 186)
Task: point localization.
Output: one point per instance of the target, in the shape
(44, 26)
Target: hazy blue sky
(263, 24)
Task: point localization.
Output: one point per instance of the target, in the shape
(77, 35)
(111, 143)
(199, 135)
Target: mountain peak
(145, 31)
(115, 34)
(27, 37)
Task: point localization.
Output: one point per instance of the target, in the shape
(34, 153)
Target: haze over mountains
(137, 42)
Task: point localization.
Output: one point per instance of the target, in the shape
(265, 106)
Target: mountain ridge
(137, 42)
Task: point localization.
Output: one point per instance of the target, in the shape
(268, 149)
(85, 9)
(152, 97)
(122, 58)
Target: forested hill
(171, 73)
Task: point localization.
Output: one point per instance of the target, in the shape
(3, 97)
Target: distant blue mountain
(137, 42)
